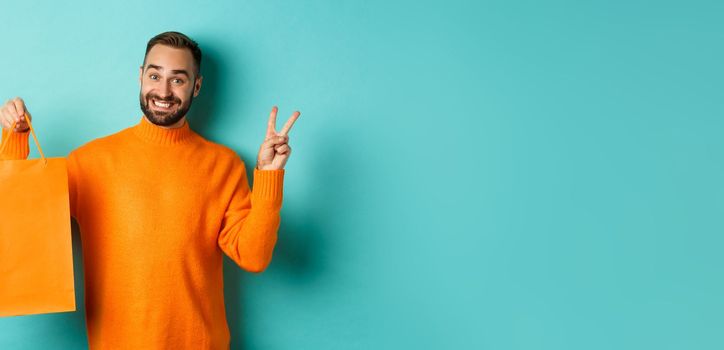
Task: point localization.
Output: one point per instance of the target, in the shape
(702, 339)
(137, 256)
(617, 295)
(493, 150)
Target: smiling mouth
(163, 105)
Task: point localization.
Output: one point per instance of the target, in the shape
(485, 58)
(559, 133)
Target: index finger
(289, 123)
(272, 124)
(19, 108)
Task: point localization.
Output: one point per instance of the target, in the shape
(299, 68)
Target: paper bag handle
(40, 150)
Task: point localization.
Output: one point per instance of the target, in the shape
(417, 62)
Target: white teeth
(162, 104)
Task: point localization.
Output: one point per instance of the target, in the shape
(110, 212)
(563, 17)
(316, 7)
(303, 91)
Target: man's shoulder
(220, 151)
(102, 144)
(115, 142)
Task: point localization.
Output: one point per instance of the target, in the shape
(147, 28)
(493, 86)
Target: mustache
(164, 99)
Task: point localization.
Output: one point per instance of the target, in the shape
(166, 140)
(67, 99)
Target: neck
(163, 135)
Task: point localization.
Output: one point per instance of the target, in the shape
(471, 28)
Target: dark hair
(177, 40)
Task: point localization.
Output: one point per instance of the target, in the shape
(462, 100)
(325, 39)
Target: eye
(178, 81)
(153, 77)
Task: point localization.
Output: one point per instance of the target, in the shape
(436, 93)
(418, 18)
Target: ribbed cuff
(268, 187)
(17, 144)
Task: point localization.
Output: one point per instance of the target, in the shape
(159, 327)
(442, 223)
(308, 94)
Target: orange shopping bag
(36, 260)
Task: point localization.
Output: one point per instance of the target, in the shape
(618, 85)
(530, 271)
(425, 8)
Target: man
(157, 204)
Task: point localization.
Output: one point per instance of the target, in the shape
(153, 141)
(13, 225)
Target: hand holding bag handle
(40, 150)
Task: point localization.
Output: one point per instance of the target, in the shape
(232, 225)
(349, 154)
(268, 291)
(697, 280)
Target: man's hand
(13, 111)
(275, 149)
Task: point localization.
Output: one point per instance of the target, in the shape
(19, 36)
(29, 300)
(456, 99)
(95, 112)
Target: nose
(164, 91)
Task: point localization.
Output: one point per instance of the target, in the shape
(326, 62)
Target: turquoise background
(465, 174)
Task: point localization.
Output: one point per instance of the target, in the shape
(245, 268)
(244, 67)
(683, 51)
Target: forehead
(170, 58)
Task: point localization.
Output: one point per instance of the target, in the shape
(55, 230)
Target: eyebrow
(175, 71)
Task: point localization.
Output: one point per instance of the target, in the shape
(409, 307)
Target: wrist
(16, 130)
(265, 167)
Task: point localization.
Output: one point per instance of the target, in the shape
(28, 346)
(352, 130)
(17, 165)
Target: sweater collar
(163, 136)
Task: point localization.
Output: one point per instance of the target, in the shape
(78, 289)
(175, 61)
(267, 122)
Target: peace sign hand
(275, 149)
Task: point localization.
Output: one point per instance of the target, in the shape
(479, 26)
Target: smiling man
(157, 205)
(161, 101)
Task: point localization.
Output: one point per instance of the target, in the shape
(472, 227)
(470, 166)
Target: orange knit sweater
(156, 208)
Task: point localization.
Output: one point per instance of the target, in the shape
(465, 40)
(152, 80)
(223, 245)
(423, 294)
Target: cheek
(183, 93)
(145, 95)
(144, 89)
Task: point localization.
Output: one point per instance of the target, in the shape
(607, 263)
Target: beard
(162, 118)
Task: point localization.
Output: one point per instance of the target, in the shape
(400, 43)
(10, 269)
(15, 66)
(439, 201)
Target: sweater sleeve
(17, 145)
(249, 228)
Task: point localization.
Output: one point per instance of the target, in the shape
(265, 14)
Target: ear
(197, 86)
(140, 75)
